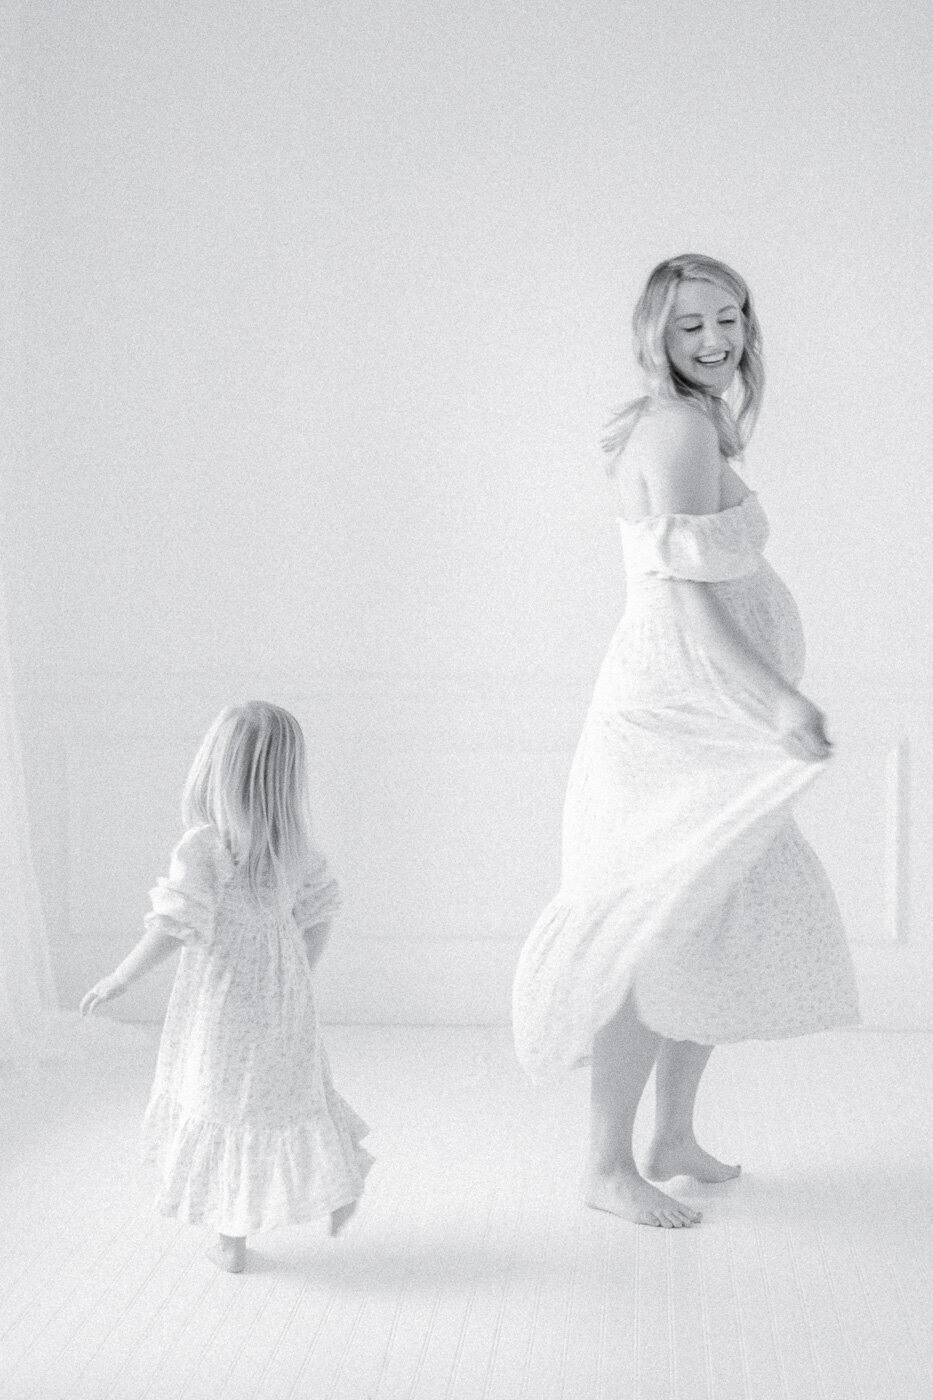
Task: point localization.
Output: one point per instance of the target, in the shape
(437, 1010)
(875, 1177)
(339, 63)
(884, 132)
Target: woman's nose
(711, 337)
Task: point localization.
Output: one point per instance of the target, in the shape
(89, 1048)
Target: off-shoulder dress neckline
(687, 515)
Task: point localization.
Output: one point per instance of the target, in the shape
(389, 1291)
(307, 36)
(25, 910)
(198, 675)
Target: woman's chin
(714, 384)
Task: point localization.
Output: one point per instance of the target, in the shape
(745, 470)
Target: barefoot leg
(229, 1253)
(340, 1216)
(674, 1148)
(623, 1053)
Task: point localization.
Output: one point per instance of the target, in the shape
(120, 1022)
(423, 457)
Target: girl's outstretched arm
(153, 948)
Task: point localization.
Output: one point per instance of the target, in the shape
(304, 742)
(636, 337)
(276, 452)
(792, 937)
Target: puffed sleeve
(319, 896)
(708, 548)
(185, 902)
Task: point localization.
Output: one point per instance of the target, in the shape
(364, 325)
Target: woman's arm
(714, 628)
(675, 453)
(153, 948)
(798, 722)
(680, 466)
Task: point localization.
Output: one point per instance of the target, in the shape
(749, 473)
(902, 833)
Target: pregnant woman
(691, 910)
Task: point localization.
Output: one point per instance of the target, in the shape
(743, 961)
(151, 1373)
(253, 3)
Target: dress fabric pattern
(684, 876)
(244, 1122)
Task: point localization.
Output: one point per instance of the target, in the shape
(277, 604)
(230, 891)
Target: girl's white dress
(684, 875)
(244, 1122)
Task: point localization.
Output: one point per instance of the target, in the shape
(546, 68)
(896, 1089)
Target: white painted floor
(471, 1270)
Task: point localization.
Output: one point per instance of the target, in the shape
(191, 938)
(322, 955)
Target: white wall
(320, 310)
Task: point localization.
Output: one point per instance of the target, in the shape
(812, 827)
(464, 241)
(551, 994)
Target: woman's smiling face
(704, 336)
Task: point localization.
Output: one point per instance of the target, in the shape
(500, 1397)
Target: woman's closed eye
(725, 321)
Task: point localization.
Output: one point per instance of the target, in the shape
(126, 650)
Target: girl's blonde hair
(248, 780)
(733, 422)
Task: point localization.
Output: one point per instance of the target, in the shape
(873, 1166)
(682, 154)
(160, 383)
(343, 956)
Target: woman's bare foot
(625, 1193)
(340, 1216)
(685, 1158)
(229, 1253)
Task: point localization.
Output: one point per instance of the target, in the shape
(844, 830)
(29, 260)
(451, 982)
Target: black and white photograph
(466, 690)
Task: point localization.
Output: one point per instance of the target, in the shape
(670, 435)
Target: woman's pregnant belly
(763, 608)
(654, 660)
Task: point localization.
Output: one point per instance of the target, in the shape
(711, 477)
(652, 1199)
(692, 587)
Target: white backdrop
(316, 313)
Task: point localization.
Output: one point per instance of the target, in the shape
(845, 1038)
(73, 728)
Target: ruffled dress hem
(778, 1030)
(243, 1179)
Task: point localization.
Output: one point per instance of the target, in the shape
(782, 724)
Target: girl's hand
(315, 941)
(801, 727)
(106, 989)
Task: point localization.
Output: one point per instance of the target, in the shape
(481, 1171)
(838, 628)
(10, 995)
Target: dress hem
(242, 1178)
(784, 1032)
(225, 1227)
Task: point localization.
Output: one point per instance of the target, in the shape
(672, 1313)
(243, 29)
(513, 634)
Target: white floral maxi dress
(243, 1121)
(684, 875)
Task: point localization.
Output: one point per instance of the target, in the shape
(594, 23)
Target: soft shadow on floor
(387, 1267)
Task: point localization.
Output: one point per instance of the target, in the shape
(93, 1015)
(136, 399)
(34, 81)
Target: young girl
(691, 910)
(244, 1122)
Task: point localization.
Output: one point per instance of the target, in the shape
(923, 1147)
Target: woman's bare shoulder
(671, 425)
(674, 456)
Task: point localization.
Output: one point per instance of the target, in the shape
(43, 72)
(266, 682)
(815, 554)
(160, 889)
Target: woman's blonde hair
(733, 422)
(248, 780)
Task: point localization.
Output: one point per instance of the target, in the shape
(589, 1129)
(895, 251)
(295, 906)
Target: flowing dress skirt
(684, 876)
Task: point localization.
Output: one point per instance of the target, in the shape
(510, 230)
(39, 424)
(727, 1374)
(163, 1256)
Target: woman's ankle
(603, 1165)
